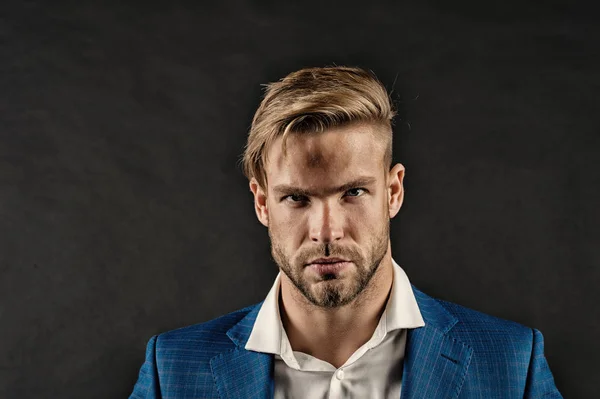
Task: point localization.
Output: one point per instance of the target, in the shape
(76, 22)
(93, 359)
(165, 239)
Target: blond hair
(312, 100)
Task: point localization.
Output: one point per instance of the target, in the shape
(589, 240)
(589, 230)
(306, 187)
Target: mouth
(324, 266)
(326, 261)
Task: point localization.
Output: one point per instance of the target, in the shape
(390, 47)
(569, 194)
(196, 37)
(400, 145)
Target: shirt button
(340, 374)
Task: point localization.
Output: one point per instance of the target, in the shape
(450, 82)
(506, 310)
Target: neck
(333, 335)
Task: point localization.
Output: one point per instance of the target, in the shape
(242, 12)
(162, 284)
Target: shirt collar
(401, 311)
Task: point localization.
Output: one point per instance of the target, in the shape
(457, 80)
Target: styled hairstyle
(312, 100)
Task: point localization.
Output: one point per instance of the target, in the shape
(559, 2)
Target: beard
(331, 290)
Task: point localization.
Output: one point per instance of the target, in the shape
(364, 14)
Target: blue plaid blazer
(459, 353)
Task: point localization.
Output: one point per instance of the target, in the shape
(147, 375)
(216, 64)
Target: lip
(329, 268)
(323, 261)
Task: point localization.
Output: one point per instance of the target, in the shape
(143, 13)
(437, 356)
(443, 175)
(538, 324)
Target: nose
(326, 223)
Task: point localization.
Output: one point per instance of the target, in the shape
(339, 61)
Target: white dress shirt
(374, 371)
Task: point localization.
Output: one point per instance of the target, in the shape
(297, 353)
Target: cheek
(286, 227)
(370, 211)
(369, 219)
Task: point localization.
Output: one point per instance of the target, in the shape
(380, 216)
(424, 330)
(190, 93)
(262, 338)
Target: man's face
(329, 198)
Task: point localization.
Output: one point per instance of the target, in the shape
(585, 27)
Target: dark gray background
(124, 212)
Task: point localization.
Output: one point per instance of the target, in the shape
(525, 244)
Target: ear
(395, 189)
(260, 202)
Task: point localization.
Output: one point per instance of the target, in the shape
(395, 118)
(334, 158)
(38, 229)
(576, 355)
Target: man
(342, 319)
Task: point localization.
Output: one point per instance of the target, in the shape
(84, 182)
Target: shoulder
(179, 360)
(503, 356)
(489, 334)
(210, 335)
(471, 319)
(480, 329)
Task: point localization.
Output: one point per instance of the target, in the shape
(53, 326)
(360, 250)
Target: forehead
(320, 160)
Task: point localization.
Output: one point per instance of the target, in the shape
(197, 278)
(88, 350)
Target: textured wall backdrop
(124, 212)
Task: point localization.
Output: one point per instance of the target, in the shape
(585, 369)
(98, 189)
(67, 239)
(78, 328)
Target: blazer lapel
(240, 373)
(435, 364)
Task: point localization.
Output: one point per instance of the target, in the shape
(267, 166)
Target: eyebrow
(361, 181)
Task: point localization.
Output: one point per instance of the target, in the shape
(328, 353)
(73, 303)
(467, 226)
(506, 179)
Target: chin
(332, 287)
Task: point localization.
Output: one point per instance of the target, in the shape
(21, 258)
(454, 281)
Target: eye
(355, 192)
(294, 198)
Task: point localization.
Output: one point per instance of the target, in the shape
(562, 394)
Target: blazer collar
(239, 373)
(435, 363)
(240, 332)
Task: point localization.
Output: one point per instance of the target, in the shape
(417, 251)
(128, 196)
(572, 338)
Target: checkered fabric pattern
(460, 353)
